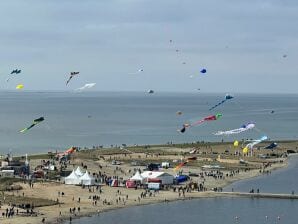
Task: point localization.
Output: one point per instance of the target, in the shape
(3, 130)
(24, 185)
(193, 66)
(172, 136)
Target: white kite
(86, 86)
(254, 142)
(243, 128)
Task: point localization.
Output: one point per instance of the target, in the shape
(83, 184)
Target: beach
(75, 201)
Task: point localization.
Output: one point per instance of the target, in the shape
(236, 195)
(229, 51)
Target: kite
(86, 86)
(72, 74)
(209, 118)
(254, 142)
(236, 143)
(35, 122)
(243, 128)
(227, 97)
(180, 165)
(203, 71)
(15, 71)
(179, 112)
(20, 86)
(271, 146)
(139, 71)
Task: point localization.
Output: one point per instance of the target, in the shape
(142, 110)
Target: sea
(219, 210)
(88, 119)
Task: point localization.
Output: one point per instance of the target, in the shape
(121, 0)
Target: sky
(246, 46)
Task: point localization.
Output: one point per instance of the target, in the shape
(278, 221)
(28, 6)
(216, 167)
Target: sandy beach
(76, 201)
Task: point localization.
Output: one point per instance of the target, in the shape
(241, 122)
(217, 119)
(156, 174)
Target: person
(43, 220)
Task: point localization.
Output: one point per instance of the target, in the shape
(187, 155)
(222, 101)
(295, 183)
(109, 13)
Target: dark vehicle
(153, 166)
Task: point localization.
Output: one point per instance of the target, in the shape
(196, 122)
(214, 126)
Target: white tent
(72, 179)
(137, 177)
(79, 172)
(86, 179)
(165, 178)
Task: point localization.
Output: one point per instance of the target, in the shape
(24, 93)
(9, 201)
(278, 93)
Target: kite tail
(178, 167)
(198, 122)
(217, 105)
(23, 130)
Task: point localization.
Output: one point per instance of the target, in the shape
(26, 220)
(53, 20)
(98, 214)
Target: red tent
(130, 184)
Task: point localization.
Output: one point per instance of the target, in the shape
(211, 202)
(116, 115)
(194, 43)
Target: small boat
(150, 91)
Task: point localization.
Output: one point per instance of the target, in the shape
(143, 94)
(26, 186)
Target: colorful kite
(20, 86)
(72, 74)
(35, 122)
(209, 118)
(227, 97)
(180, 165)
(236, 143)
(243, 128)
(15, 71)
(86, 86)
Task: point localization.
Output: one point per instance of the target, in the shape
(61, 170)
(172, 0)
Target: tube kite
(86, 86)
(209, 118)
(72, 74)
(243, 128)
(35, 122)
(180, 165)
(254, 142)
(227, 97)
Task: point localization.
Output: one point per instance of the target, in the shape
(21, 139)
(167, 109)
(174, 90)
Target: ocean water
(106, 118)
(218, 210)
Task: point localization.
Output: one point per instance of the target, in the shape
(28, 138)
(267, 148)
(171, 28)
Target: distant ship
(150, 91)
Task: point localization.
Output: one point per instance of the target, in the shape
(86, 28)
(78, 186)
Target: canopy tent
(86, 179)
(155, 176)
(72, 179)
(79, 172)
(137, 177)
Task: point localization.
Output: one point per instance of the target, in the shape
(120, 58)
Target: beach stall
(181, 178)
(79, 172)
(114, 183)
(72, 179)
(130, 184)
(86, 179)
(137, 177)
(155, 176)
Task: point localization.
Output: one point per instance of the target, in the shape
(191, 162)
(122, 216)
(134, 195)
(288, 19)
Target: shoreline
(60, 213)
(194, 195)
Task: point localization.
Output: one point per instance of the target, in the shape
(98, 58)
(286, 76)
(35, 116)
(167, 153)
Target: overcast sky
(246, 46)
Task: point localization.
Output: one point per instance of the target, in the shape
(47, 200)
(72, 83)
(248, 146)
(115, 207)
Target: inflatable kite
(20, 86)
(227, 97)
(35, 122)
(254, 142)
(180, 165)
(72, 74)
(243, 128)
(203, 71)
(236, 143)
(271, 146)
(209, 118)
